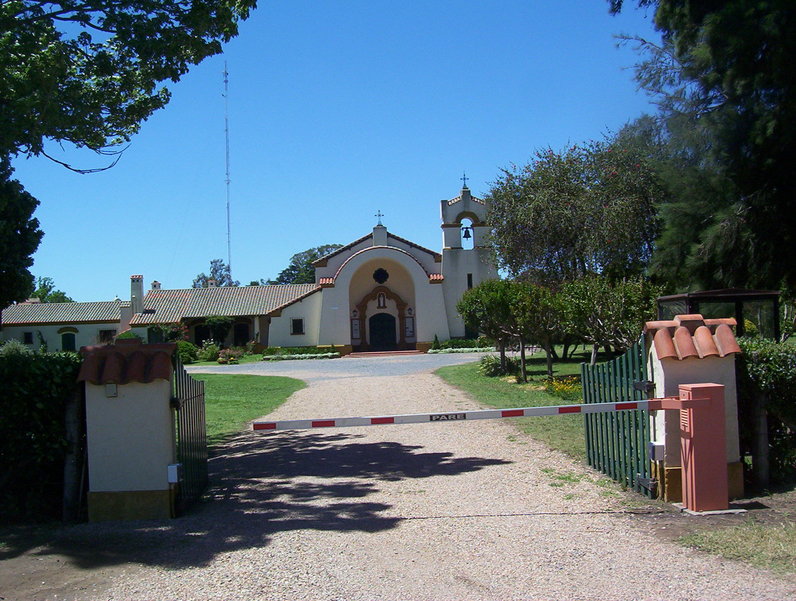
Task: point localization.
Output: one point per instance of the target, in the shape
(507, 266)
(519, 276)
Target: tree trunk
(523, 372)
(502, 349)
(73, 468)
(549, 352)
(760, 448)
(595, 348)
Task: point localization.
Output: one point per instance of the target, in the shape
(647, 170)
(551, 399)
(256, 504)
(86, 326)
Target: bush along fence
(147, 450)
(642, 449)
(40, 392)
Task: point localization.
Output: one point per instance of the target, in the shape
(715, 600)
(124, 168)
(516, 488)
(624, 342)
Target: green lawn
(233, 400)
(564, 433)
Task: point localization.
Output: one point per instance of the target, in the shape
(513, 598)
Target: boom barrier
(420, 418)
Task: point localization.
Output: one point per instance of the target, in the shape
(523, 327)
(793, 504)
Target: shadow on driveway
(261, 486)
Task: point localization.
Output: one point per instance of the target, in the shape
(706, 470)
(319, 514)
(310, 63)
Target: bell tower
(464, 267)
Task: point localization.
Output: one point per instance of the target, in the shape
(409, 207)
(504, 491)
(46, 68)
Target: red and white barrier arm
(420, 418)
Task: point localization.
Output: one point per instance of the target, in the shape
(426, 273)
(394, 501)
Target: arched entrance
(382, 332)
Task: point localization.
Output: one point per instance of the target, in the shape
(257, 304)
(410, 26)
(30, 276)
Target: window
(296, 326)
(27, 337)
(68, 341)
(469, 281)
(106, 336)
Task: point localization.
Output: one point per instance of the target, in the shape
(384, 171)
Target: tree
(19, 237)
(300, 269)
(725, 67)
(219, 325)
(607, 314)
(486, 309)
(220, 272)
(46, 292)
(589, 209)
(88, 73)
(538, 317)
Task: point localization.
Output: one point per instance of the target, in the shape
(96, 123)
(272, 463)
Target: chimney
(155, 285)
(137, 293)
(211, 283)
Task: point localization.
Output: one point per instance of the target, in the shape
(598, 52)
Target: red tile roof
(170, 306)
(58, 313)
(692, 336)
(126, 361)
(323, 260)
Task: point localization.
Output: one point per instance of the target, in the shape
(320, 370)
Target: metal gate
(617, 443)
(188, 400)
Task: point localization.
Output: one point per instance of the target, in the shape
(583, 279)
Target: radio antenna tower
(226, 138)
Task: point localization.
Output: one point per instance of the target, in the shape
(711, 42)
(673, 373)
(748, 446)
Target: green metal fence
(189, 402)
(617, 443)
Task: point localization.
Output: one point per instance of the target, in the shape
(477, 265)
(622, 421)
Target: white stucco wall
(456, 264)
(88, 334)
(130, 437)
(428, 304)
(308, 309)
(668, 374)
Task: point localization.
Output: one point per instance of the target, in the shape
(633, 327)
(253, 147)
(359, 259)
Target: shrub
(567, 388)
(219, 325)
(230, 355)
(293, 350)
(187, 351)
(489, 366)
(14, 347)
(128, 335)
(252, 347)
(209, 351)
(36, 389)
(767, 375)
(436, 345)
(301, 356)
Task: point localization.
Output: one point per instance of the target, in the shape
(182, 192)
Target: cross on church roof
(464, 178)
(379, 214)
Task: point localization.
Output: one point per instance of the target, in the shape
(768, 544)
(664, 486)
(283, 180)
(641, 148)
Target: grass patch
(562, 432)
(233, 400)
(768, 546)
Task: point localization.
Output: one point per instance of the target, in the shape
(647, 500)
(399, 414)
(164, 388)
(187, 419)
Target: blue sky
(336, 110)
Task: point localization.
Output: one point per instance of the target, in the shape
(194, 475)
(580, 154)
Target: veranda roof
(171, 306)
(56, 313)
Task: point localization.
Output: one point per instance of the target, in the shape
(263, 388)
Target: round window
(381, 275)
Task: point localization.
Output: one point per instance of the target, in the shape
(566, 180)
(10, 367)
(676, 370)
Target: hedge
(767, 383)
(36, 390)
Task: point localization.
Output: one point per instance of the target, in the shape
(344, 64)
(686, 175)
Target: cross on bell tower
(464, 179)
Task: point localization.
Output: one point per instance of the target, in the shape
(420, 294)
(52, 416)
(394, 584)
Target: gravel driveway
(462, 510)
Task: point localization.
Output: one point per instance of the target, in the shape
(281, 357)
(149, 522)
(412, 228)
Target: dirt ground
(56, 562)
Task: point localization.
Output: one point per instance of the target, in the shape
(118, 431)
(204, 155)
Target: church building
(380, 292)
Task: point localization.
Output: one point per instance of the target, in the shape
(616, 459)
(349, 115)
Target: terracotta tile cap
(714, 323)
(126, 361)
(703, 340)
(692, 322)
(684, 343)
(654, 326)
(664, 345)
(725, 340)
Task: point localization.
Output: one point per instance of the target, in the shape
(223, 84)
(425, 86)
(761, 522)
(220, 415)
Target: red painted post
(703, 455)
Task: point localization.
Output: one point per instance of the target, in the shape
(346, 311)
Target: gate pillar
(702, 448)
(130, 430)
(690, 350)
